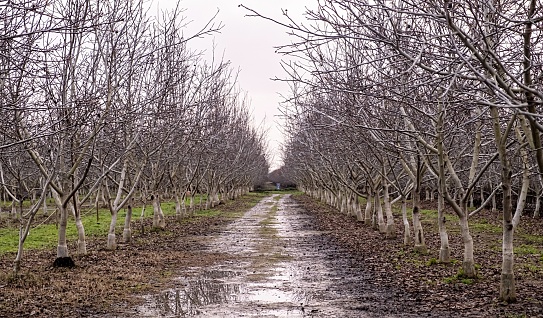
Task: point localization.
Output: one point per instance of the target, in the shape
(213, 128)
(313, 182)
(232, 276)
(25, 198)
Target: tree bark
(390, 229)
(127, 230)
(468, 264)
(406, 226)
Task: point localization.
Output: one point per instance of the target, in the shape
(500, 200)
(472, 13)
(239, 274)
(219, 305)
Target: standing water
(280, 267)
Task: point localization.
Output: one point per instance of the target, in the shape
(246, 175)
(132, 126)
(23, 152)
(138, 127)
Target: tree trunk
(358, 209)
(158, 215)
(420, 245)
(507, 278)
(45, 212)
(390, 229)
(407, 228)
(191, 204)
(380, 219)
(13, 214)
(368, 210)
(62, 247)
(444, 252)
(142, 219)
(81, 237)
(468, 264)
(127, 231)
(111, 240)
(178, 213)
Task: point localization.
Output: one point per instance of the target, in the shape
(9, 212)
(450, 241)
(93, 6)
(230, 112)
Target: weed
(432, 261)
(532, 239)
(459, 278)
(533, 268)
(484, 226)
(526, 250)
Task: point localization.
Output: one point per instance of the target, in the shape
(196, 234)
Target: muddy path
(280, 266)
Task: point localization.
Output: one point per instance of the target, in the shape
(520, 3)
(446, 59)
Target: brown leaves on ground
(104, 281)
(438, 287)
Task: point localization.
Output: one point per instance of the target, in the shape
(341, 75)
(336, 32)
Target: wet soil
(109, 283)
(283, 267)
(434, 288)
(286, 257)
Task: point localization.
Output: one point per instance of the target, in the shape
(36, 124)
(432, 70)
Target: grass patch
(432, 261)
(44, 236)
(459, 278)
(524, 249)
(534, 268)
(531, 239)
(482, 225)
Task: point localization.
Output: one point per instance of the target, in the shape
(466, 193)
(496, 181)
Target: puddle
(283, 268)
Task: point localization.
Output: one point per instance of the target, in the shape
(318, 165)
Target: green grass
(482, 225)
(432, 261)
(531, 239)
(45, 235)
(526, 250)
(458, 278)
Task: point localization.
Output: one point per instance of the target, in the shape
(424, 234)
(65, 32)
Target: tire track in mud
(280, 267)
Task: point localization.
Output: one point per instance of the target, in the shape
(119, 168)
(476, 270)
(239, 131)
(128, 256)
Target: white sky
(249, 44)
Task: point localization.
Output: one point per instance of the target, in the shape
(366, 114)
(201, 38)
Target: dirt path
(281, 267)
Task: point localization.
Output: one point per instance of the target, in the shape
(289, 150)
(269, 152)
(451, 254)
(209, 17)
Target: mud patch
(282, 267)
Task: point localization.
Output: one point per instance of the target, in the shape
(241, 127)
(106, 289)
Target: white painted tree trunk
(380, 218)
(406, 226)
(510, 220)
(420, 245)
(142, 219)
(358, 209)
(468, 264)
(369, 209)
(127, 230)
(81, 237)
(45, 211)
(444, 252)
(13, 214)
(209, 198)
(341, 202)
(178, 211)
(111, 239)
(390, 229)
(158, 215)
(183, 207)
(62, 247)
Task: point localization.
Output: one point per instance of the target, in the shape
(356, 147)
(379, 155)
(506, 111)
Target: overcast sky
(249, 44)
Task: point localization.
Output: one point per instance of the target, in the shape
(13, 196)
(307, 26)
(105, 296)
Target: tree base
(469, 270)
(390, 231)
(444, 255)
(507, 288)
(64, 262)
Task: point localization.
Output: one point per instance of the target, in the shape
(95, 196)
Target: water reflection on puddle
(213, 288)
(278, 277)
